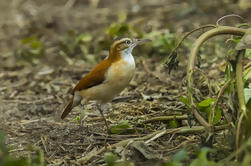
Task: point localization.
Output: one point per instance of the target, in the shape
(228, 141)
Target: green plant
(31, 50)
(76, 44)
(121, 27)
(164, 42)
(233, 72)
(6, 159)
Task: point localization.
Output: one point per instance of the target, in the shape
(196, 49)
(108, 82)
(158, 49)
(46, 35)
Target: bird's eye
(128, 42)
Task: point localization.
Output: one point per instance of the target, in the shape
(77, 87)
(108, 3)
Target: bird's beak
(141, 41)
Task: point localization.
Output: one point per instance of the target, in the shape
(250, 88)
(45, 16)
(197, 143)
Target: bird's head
(126, 45)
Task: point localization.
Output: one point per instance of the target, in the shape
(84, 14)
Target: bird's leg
(81, 115)
(107, 128)
(102, 114)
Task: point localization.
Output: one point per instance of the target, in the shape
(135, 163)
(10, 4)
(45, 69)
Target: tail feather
(67, 108)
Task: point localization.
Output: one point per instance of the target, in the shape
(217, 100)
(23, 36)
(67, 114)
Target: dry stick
(221, 30)
(164, 118)
(241, 97)
(44, 144)
(149, 137)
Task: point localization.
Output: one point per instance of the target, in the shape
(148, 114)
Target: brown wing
(95, 77)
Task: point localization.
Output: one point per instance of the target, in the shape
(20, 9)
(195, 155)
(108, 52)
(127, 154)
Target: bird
(108, 78)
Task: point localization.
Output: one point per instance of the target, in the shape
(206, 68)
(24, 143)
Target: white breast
(121, 72)
(127, 57)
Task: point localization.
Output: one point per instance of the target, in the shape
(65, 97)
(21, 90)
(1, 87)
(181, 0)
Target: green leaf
(185, 101)
(13, 161)
(249, 105)
(36, 45)
(173, 163)
(245, 42)
(206, 109)
(248, 53)
(247, 159)
(122, 127)
(27, 40)
(236, 40)
(84, 38)
(110, 159)
(248, 123)
(112, 29)
(202, 159)
(180, 155)
(206, 102)
(217, 116)
(173, 124)
(247, 93)
(123, 29)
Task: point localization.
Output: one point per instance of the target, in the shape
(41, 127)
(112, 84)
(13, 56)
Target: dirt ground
(32, 96)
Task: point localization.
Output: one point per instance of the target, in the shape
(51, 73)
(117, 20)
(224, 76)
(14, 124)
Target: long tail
(67, 108)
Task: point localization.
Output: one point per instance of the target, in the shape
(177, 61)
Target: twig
(156, 136)
(164, 118)
(221, 30)
(230, 15)
(44, 144)
(16, 150)
(181, 130)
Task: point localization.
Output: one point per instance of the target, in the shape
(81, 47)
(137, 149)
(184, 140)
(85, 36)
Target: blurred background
(53, 25)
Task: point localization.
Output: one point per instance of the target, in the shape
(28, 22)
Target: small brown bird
(108, 78)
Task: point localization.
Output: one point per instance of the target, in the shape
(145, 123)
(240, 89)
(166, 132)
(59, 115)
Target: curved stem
(189, 33)
(241, 97)
(239, 82)
(221, 30)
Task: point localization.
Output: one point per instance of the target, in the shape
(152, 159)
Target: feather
(95, 77)
(67, 109)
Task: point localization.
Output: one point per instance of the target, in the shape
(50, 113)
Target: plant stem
(241, 97)
(221, 30)
(239, 81)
